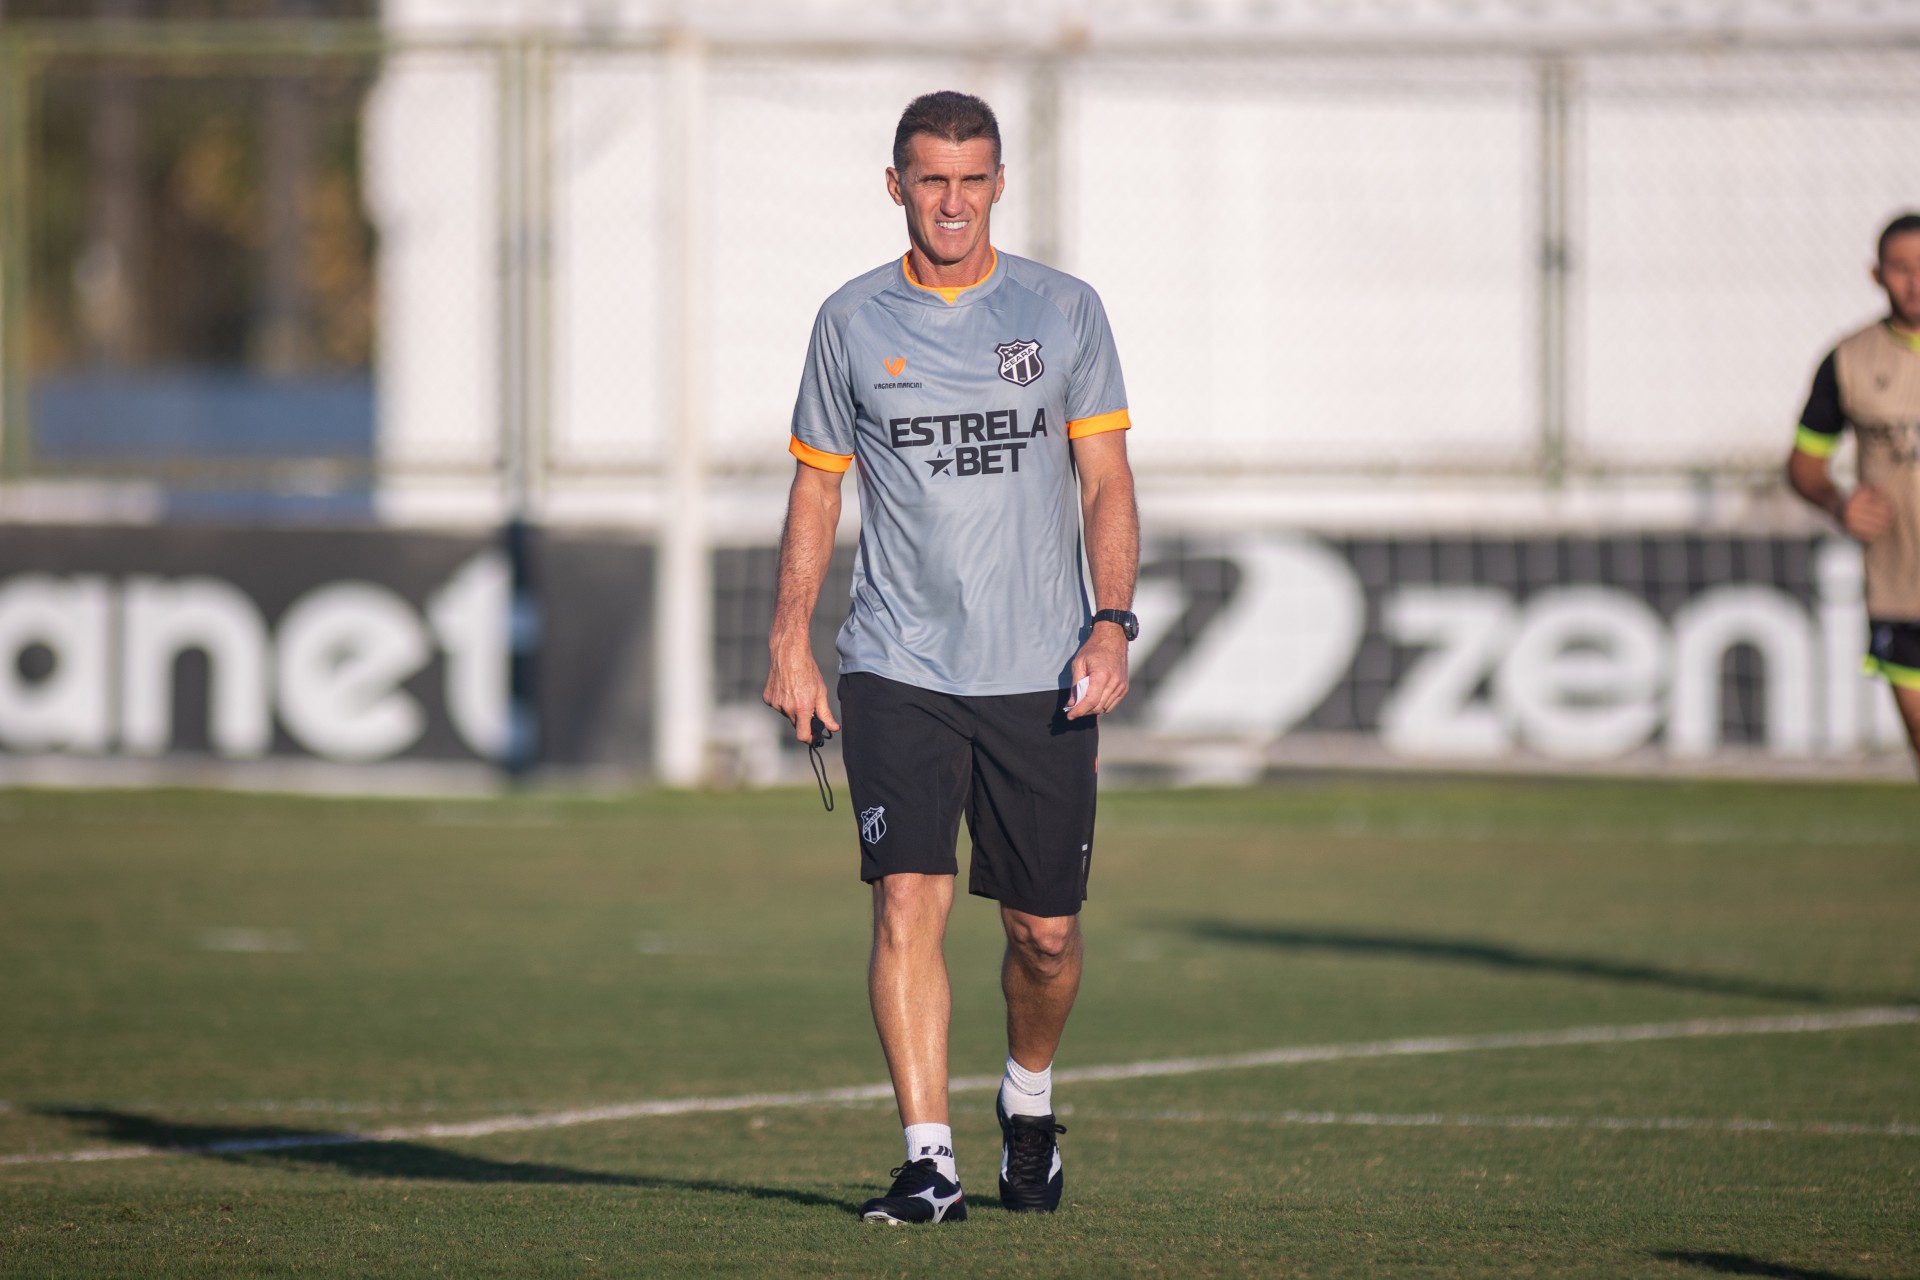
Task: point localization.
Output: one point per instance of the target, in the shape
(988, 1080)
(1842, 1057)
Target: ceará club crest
(1020, 362)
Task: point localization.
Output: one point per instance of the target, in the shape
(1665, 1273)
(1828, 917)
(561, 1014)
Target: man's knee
(911, 908)
(1045, 944)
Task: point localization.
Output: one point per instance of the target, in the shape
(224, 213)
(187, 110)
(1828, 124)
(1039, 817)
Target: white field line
(1432, 1120)
(1694, 1029)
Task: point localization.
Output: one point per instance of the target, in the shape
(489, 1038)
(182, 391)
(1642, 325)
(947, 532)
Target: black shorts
(1021, 772)
(1893, 651)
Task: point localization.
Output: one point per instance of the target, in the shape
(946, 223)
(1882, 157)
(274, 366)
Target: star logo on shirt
(939, 465)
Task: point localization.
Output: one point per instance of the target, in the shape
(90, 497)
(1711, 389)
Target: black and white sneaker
(1030, 1178)
(918, 1194)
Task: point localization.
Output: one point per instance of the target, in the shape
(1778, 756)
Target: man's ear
(893, 186)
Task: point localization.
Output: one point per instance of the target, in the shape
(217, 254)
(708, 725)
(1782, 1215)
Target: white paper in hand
(1078, 691)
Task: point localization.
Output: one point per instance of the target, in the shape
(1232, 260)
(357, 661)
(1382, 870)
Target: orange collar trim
(950, 292)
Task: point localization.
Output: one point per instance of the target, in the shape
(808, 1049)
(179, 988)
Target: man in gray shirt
(981, 396)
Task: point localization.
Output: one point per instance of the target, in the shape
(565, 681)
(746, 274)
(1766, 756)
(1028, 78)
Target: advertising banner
(348, 646)
(1469, 648)
(1461, 647)
(366, 646)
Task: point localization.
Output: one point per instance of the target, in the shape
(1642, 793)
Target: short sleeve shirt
(1871, 384)
(959, 405)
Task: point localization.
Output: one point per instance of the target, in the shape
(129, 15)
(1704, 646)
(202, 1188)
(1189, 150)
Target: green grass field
(207, 973)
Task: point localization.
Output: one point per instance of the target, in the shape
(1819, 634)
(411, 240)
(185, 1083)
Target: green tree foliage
(187, 210)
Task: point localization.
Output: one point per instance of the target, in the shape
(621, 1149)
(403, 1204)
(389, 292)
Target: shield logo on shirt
(1020, 362)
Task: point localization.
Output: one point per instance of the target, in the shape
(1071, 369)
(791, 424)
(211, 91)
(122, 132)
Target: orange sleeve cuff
(824, 461)
(1099, 422)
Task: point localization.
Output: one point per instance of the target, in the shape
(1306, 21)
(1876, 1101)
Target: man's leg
(907, 767)
(907, 985)
(912, 1004)
(1040, 976)
(1031, 815)
(1907, 698)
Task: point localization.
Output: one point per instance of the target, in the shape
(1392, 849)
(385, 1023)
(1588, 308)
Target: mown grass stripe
(1627, 1034)
(1696, 1028)
(1432, 1120)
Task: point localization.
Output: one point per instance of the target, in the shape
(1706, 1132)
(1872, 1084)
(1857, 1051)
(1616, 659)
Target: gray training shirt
(958, 405)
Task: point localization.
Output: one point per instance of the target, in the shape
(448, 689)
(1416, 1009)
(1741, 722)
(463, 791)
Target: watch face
(1128, 624)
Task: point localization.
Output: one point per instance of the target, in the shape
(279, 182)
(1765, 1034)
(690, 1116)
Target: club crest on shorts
(1020, 362)
(873, 824)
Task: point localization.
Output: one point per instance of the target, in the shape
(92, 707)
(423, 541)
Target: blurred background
(393, 394)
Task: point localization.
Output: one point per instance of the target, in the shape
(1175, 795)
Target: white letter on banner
(1432, 711)
(70, 706)
(164, 619)
(345, 648)
(1279, 647)
(1704, 630)
(1583, 678)
(469, 618)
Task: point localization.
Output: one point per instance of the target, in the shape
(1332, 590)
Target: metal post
(537, 274)
(683, 595)
(15, 430)
(523, 277)
(1555, 75)
(510, 194)
(1041, 171)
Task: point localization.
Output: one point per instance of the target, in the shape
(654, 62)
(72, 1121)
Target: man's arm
(794, 687)
(1863, 513)
(1112, 525)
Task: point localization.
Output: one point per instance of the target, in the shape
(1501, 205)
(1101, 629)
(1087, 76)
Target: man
(1871, 382)
(981, 396)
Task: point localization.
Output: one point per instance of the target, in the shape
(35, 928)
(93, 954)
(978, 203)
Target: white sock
(933, 1142)
(1027, 1093)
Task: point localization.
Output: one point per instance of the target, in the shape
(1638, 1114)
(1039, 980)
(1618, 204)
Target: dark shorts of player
(1013, 765)
(1893, 651)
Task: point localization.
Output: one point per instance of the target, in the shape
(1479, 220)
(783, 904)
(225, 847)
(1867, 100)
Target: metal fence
(309, 262)
(346, 274)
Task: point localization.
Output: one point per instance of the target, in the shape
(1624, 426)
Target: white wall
(1315, 262)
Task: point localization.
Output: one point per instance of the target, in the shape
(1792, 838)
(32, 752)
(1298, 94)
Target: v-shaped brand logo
(939, 1202)
(896, 366)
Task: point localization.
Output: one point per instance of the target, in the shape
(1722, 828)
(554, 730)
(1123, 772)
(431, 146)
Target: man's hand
(1866, 514)
(1103, 660)
(796, 691)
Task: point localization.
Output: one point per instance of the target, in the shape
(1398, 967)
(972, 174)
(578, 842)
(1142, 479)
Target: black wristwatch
(1121, 618)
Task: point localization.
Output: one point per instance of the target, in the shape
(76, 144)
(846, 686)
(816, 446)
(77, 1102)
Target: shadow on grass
(1498, 956)
(375, 1158)
(1740, 1264)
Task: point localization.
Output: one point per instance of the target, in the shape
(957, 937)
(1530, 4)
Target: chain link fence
(303, 264)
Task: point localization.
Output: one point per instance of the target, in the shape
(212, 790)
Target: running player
(981, 395)
(1871, 382)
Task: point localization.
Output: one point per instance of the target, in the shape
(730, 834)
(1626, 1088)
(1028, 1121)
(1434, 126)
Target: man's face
(1899, 274)
(948, 190)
